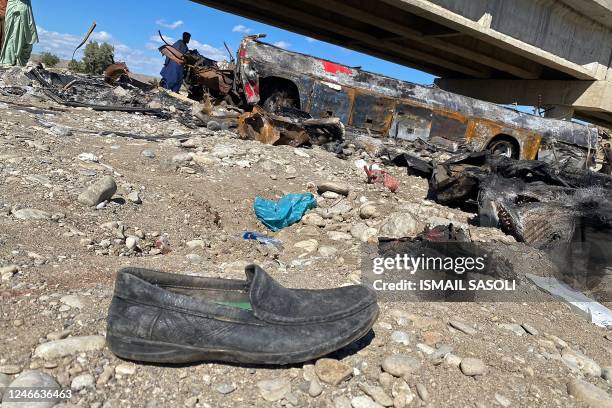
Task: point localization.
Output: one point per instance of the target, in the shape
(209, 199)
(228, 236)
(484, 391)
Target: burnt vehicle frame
(390, 108)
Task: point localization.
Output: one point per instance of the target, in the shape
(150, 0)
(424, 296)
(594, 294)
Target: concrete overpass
(554, 54)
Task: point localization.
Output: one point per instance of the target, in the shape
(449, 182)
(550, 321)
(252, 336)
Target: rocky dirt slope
(192, 195)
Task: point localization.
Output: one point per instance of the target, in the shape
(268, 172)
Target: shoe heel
(150, 351)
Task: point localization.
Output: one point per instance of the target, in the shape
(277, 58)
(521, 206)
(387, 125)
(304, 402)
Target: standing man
(172, 73)
(20, 33)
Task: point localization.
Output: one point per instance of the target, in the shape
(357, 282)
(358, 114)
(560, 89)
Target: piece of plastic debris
(277, 215)
(381, 176)
(598, 313)
(262, 239)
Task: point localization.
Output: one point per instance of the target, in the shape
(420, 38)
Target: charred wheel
(504, 145)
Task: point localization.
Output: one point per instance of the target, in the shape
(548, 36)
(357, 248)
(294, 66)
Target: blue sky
(131, 26)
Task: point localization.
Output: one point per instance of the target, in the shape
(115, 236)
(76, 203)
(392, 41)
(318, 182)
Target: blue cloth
(277, 215)
(172, 73)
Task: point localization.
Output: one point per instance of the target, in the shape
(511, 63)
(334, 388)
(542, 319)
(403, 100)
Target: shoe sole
(151, 351)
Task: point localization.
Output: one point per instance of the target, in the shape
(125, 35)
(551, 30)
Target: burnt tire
(279, 100)
(504, 146)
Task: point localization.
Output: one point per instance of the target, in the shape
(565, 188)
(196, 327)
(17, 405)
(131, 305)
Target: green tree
(76, 66)
(97, 57)
(49, 59)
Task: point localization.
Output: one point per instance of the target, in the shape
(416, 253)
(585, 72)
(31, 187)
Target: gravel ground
(195, 194)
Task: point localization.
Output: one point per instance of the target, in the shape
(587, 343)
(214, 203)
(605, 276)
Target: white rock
(301, 153)
(83, 381)
(400, 365)
(335, 186)
(473, 366)
(31, 214)
(275, 389)
(33, 379)
(590, 394)
(327, 251)
(309, 245)
(368, 210)
(69, 346)
(134, 197)
(131, 242)
(73, 301)
(125, 369)
(88, 157)
(339, 236)
(364, 402)
(513, 327)
(98, 192)
(399, 225)
(313, 218)
(400, 337)
(364, 233)
(579, 361)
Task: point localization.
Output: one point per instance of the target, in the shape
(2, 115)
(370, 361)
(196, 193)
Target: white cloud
(208, 50)
(282, 44)
(310, 39)
(171, 26)
(241, 29)
(63, 44)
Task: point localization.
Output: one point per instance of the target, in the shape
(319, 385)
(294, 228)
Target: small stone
(364, 402)
(73, 301)
(339, 236)
(332, 371)
(7, 272)
(107, 374)
(182, 158)
(125, 369)
(10, 369)
(97, 193)
(513, 327)
(191, 402)
(399, 225)
(327, 251)
(578, 361)
(225, 388)
(309, 245)
(472, 366)
(368, 211)
(452, 360)
(301, 153)
(88, 157)
(131, 242)
(400, 337)
(275, 389)
(313, 218)
(334, 186)
(590, 394)
(65, 347)
(31, 214)
(463, 327)
(422, 392)
(400, 365)
(34, 379)
(196, 243)
(342, 402)
(364, 233)
(315, 389)
(134, 197)
(330, 195)
(83, 381)
(149, 154)
(431, 338)
(377, 393)
(503, 401)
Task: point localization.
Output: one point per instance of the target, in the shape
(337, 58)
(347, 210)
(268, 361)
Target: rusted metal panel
(372, 112)
(411, 122)
(448, 126)
(328, 101)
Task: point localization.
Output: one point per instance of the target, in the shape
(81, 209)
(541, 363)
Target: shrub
(97, 57)
(49, 59)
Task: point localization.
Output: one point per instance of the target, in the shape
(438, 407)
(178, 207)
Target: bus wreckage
(379, 106)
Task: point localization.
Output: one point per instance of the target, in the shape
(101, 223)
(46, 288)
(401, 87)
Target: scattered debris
(277, 215)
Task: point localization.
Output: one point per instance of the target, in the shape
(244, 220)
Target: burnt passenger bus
(274, 77)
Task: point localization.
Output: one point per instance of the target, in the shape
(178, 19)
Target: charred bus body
(274, 77)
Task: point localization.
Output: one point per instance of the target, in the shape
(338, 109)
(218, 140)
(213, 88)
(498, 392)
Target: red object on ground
(381, 176)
